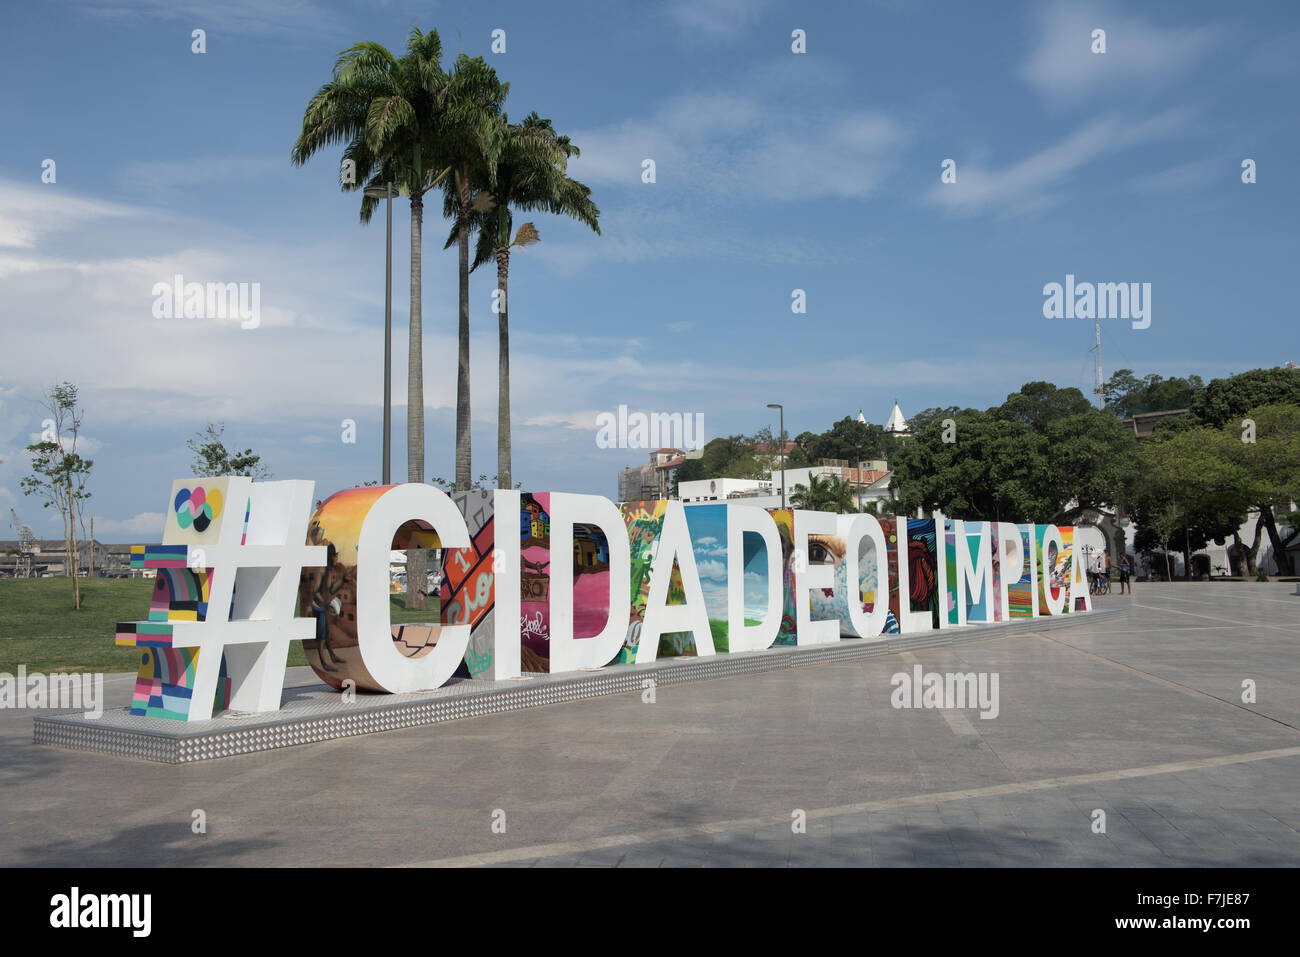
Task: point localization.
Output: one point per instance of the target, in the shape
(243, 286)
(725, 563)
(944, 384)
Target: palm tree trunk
(415, 558)
(503, 372)
(463, 478)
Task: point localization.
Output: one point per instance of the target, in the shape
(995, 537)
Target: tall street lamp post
(387, 192)
(781, 440)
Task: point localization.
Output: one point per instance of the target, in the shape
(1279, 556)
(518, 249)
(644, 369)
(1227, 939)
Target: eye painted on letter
(825, 550)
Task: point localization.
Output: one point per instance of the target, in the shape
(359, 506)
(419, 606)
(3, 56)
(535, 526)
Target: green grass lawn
(39, 627)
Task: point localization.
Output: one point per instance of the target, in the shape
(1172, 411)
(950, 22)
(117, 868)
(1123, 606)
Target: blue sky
(775, 171)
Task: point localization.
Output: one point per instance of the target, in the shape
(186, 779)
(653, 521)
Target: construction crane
(27, 546)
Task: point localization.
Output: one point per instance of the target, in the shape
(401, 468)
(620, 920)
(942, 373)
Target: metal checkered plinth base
(318, 713)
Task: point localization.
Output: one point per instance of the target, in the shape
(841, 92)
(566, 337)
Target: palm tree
(389, 111)
(829, 494)
(530, 176)
(470, 138)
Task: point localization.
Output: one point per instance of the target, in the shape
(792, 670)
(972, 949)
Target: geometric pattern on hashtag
(220, 639)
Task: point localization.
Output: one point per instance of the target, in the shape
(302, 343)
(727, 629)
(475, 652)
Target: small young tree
(59, 473)
(212, 458)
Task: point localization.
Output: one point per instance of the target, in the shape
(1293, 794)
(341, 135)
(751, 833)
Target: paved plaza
(1138, 715)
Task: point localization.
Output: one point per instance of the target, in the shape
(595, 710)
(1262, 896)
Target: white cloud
(12, 265)
(166, 178)
(717, 18)
(1028, 185)
(146, 523)
(89, 289)
(29, 212)
(583, 421)
(644, 231)
(723, 145)
(1063, 66)
(11, 419)
(14, 234)
(85, 444)
(1187, 176)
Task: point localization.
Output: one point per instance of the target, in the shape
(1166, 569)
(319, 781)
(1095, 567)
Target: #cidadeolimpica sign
(564, 583)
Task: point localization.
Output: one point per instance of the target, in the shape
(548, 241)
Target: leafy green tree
(847, 440)
(729, 457)
(60, 473)
(799, 455)
(1226, 401)
(1212, 477)
(1159, 524)
(1269, 398)
(530, 177)
(927, 417)
(1126, 395)
(994, 470)
(1038, 403)
(212, 458)
(1025, 460)
(1194, 488)
(1272, 467)
(1172, 425)
(1091, 459)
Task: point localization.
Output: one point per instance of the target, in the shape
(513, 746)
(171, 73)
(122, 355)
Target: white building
(870, 484)
(870, 480)
(722, 489)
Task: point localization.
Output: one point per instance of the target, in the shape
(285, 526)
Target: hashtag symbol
(254, 570)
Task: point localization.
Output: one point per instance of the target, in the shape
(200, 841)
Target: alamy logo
(950, 690)
(658, 430)
(213, 300)
(1103, 300)
(69, 691)
(102, 910)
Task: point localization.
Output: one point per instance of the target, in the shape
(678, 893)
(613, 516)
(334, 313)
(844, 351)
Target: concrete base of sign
(317, 713)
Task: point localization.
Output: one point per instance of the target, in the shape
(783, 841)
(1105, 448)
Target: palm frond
(385, 118)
